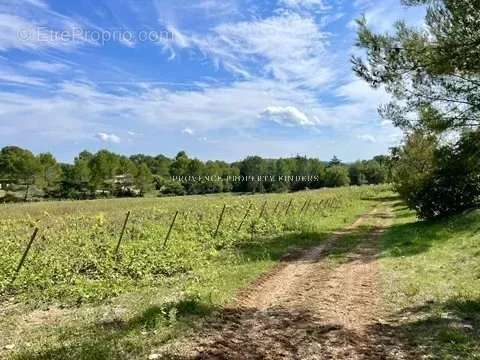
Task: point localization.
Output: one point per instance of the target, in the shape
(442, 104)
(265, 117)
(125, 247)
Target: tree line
(25, 176)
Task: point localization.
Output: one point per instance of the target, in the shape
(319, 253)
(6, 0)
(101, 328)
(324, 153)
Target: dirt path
(313, 307)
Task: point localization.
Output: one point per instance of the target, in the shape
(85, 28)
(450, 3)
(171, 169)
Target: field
(149, 290)
(431, 276)
(401, 286)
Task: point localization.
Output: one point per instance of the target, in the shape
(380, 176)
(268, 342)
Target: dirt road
(325, 304)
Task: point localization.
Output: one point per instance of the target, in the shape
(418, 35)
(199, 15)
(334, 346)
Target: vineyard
(93, 250)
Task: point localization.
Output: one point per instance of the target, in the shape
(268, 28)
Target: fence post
(245, 217)
(263, 210)
(319, 206)
(220, 220)
(276, 208)
(288, 207)
(170, 229)
(24, 256)
(121, 234)
(329, 204)
(303, 207)
(308, 205)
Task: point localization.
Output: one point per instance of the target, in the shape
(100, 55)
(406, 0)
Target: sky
(220, 79)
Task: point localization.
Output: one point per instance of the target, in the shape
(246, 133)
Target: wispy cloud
(289, 47)
(49, 67)
(309, 4)
(32, 25)
(266, 63)
(381, 16)
(367, 138)
(13, 77)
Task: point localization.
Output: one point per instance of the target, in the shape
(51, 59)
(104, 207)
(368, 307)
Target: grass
(124, 308)
(431, 276)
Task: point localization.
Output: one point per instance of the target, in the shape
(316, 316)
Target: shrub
(453, 185)
(336, 176)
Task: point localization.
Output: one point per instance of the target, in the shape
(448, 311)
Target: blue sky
(221, 79)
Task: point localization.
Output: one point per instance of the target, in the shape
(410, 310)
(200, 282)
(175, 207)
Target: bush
(336, 176)
(453, 185)
(169, 187)
(10, 198)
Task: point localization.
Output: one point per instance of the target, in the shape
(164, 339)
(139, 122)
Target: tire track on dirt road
(311, 307)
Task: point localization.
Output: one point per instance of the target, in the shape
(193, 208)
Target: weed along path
(322, 304)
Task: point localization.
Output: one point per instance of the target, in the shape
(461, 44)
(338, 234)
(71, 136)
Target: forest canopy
(105, 174)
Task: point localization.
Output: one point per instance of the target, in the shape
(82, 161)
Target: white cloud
(11, 76)
(288, 47)
(188, 131)
(124, 40)
(32, 25)
(85, 107)
(108, 138)
(367, 138)
(309, 4)
(39, 3)
(288, 116)
(381, 16)
(282, 60)
(50, 67)
(359, 90)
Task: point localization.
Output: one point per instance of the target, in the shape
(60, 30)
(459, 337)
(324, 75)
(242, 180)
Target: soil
(309, 307)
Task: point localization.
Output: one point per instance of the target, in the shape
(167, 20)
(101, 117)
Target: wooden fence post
(123, 232)
(170, 229)
(24, 256)
(288, 207)
(319, 206)
(308, 205)
(276, 208)
(303, 207)
(263, 210)
(220, 221)
(245, 217)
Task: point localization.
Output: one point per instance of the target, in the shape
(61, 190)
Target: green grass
(431, 273)
(74, 299)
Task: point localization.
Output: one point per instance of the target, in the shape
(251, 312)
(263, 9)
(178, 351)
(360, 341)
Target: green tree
(453, 184)
(50, 171)
(316, 168)
(374, 172)
(19, 165)
(336, 176)
(413, 164)
(335, 161)
(179, 167)
(158, 165)
(144, 179)
(432, 72)
(104, 166)
(76, 182)
(81, 173)
(433, 75)
(252, 166)
(356, 172)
